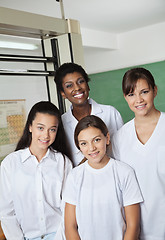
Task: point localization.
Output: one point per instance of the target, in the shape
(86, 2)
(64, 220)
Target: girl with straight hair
(32, 178)
(141, 144)
(102, 195)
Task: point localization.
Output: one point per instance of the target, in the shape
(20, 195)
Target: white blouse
(31, 193)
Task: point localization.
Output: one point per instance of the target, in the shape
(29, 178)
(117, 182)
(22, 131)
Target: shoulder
(127, 183)
(163, 115)
(109, 108)
(124, 130)
(123, 168)
(77, 172)
(60, 158)
(64, 115)
(67, 116)
(109, 114)
(123, 172)
(13, 158)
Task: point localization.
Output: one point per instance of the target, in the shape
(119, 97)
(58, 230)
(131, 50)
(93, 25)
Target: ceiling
(114, 16)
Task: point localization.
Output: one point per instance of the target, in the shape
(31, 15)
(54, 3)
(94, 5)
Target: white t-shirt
(99, 196)
(148, 161)
(30, 193)
(107, 113)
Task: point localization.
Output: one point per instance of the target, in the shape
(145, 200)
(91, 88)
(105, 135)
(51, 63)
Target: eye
(82, 80)
(53, 129)
(40, 128)
(145, 91)
(97, 140)
(82, 144)
(69, 85)
(130, 94)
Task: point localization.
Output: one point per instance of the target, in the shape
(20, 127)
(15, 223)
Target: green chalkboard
(106, 88)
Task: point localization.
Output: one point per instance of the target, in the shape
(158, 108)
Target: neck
(152, 116)
(37, 153)
(101, 164)
(81, 111)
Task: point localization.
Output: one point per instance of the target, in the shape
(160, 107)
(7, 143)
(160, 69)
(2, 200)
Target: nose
(139, 98)
(77, 87)
(46, 134)
(92, 147)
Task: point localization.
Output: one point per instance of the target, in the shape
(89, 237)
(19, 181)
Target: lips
(93, 155)
(43, 141)
(78, 95)
(141, 106)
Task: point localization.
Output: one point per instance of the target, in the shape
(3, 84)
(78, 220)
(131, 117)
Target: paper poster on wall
(12, 122)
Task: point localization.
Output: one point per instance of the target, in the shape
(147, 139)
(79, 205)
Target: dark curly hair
(65, 69)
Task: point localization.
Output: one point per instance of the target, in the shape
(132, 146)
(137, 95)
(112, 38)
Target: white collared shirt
(107, 113)
(31, 193)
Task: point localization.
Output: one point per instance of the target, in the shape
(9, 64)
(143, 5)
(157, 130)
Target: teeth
(43, 141)
(93, 154)
(78, 95)
(141, 106)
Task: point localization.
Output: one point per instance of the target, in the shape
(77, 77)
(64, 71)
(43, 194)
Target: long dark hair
(59, 143)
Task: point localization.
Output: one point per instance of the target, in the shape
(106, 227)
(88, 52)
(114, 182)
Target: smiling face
(76, 89)
(141, 100)
(43, 129)
(93, 143)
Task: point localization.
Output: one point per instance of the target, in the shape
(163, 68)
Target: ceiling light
(15, 45)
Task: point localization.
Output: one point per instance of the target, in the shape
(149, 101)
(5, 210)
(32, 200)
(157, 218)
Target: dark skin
(81, 111)
(2, 236)
(76, 90)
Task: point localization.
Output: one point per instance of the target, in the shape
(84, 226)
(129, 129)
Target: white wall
(30, 88)
(105, 51)
(141, 46)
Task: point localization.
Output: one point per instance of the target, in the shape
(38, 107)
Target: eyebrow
(67, 82)
(92, 138)
(148, 88)
(44, 125)
(145, 89)
(76, 80)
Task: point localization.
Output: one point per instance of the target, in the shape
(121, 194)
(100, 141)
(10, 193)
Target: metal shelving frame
(60, 41)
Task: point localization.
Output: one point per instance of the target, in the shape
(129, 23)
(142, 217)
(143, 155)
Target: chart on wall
(12, 121)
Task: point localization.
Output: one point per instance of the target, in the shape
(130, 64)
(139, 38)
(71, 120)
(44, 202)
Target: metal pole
(62, 8)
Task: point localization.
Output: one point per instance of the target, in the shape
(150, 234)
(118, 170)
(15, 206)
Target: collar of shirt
(27, 154)
(96, 109)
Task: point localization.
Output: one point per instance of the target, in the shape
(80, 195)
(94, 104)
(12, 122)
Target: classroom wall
(106, 88)
(141, 46)
(104, 52)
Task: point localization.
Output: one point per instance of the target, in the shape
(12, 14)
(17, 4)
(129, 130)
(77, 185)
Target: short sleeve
(69, 194)
(130, 189)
